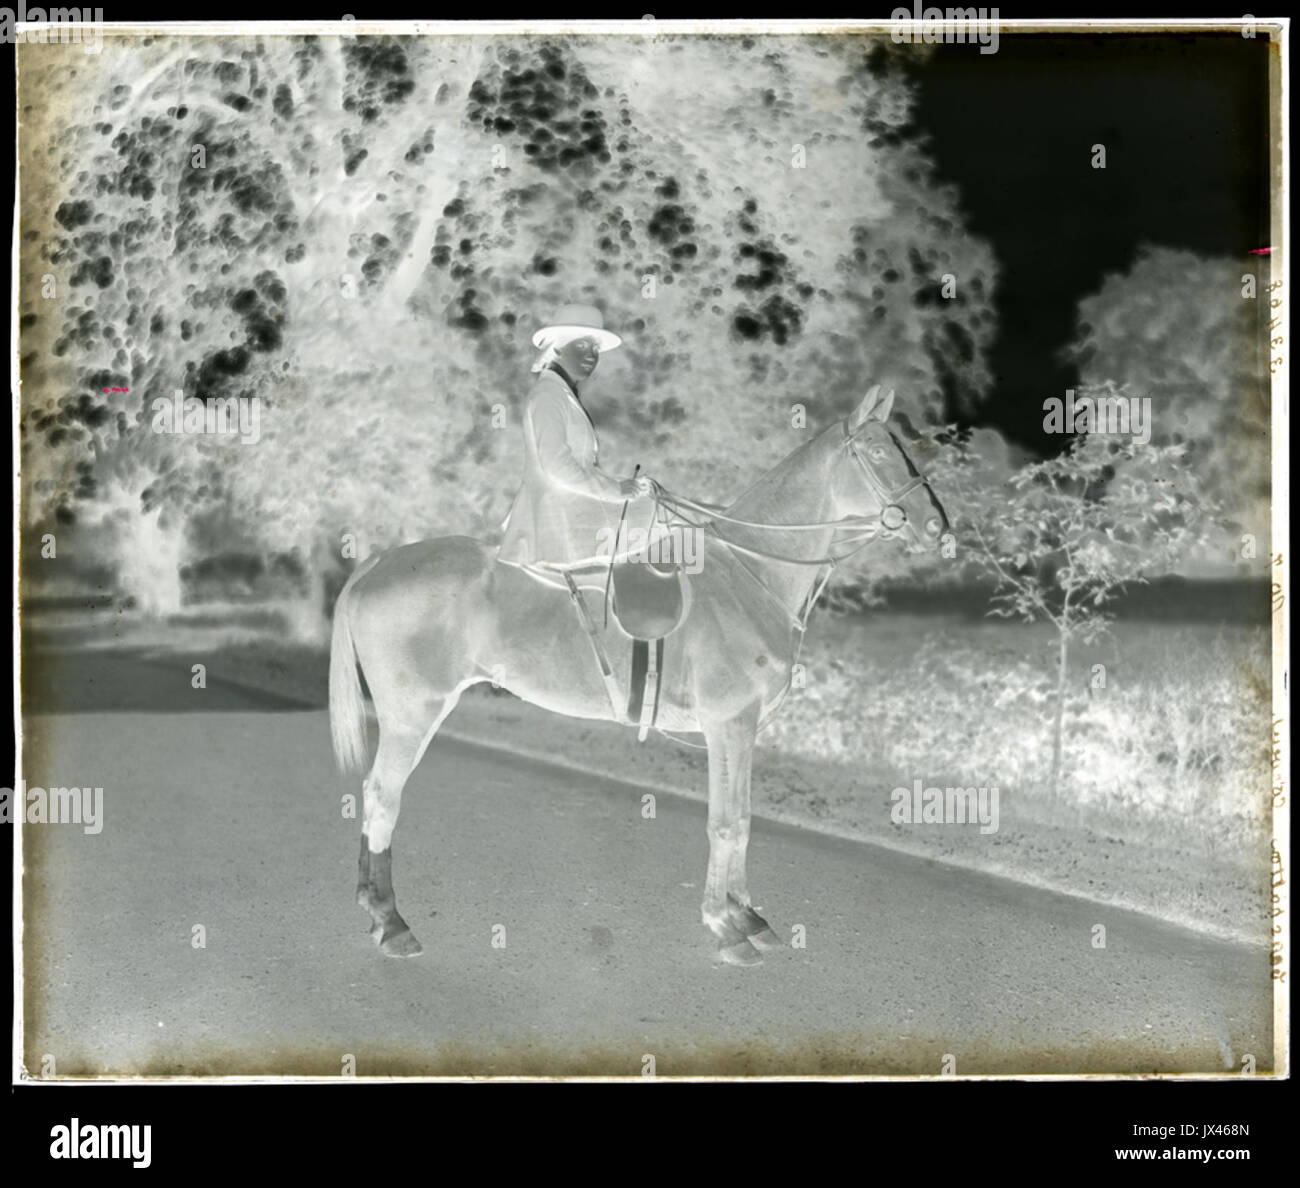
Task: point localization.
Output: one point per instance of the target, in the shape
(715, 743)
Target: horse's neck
(796, 491)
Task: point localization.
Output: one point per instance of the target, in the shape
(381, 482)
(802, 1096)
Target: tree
(362, 233)
(1064, 537)
(1188, 333)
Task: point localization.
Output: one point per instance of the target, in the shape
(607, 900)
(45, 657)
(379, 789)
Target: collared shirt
(573, 387)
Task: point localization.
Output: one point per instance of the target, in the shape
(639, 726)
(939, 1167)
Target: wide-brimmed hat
(576, 321)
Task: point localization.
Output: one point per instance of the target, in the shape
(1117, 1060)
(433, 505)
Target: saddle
(649, 599)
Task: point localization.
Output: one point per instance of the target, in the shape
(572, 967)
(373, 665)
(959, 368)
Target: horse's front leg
(743, 916)
(725, 909)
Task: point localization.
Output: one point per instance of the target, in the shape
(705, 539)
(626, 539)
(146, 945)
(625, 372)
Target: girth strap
(636, 690)
(647, 671)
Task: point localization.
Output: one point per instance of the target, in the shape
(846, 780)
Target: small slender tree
(1061, 539)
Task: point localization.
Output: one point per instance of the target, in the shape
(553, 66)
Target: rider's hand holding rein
(636, 488)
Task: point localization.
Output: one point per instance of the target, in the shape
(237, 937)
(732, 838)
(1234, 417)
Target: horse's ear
(874, 407)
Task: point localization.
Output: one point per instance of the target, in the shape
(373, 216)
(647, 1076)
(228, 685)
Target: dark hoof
(766, 941)
(741, 953)
(401, 944)
(752, 926)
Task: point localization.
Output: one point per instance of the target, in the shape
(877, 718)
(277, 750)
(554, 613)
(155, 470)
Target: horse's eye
(876, 454)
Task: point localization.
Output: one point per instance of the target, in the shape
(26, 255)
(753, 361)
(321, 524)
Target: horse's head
(880, 479)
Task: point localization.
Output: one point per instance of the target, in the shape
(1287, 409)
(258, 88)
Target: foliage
(362, 233)
(1188, 333)
(1061, 538)
(1174, 739)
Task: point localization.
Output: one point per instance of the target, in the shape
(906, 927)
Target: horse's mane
(778, 470)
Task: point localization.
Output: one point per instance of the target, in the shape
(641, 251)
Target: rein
(862, 529)
(714, 512)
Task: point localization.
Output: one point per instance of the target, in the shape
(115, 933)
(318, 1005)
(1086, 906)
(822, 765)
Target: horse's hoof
(766, 941)
(741, 953)
(403, 944)
(746, 921)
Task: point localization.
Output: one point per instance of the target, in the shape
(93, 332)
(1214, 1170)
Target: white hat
(576, 321)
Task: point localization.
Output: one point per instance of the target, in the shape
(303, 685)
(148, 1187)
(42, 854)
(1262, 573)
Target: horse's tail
(347, 708)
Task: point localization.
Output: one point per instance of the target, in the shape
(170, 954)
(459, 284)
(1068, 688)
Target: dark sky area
(1185, 125)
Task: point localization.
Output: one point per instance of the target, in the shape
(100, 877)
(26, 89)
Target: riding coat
(567, 510)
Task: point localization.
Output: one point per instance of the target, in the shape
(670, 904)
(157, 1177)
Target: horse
(426, 621)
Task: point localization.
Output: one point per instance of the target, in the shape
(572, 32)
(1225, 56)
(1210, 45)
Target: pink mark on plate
(1261, 251)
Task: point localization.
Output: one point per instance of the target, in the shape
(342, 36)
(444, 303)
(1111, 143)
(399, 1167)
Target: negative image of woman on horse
(704, 651)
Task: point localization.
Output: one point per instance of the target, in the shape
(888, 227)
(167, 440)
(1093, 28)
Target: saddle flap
(649, 601)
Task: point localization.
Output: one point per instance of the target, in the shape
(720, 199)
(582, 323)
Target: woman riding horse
(568, 511)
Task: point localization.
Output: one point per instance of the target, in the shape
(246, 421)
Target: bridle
(892, 513)
(862, 529)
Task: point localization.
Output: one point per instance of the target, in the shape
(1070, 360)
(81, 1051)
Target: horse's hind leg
(363, 871)
(397, 755)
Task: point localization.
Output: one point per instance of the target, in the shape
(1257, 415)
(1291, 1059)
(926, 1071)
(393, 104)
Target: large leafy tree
(1189, 334)
(363, 232)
